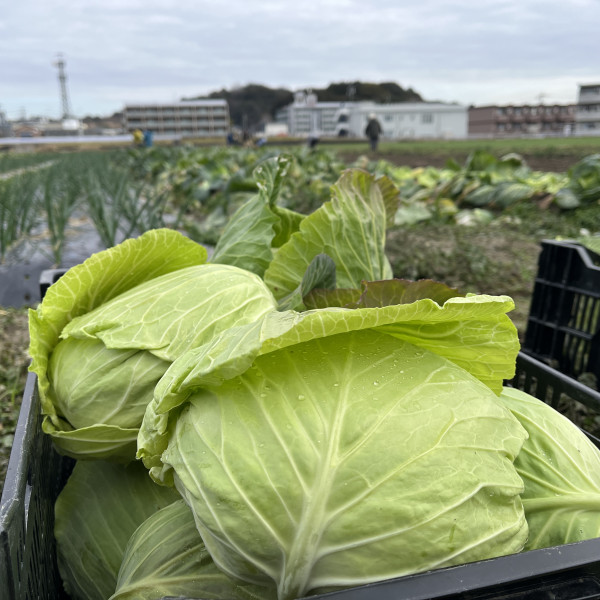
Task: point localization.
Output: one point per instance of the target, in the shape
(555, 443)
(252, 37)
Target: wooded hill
(253, 105)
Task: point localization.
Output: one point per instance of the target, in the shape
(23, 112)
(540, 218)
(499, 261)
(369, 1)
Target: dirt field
(557, 164)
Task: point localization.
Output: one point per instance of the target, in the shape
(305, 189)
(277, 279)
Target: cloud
(157, 49)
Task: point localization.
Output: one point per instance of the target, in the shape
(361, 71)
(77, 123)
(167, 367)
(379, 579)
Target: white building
(306, 116)
(189, 118)
(587, 111)
(416, 120)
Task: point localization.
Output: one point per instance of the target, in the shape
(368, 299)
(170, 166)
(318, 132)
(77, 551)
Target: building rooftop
(205, 102)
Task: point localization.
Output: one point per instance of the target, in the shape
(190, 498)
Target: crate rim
(582, 250)
(16, 474)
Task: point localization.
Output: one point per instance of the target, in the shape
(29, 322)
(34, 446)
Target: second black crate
(563, 328)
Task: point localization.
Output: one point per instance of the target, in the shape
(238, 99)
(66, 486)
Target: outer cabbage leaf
(560, 468)
(350, 228)
(247, 237)
(567, 199)
(176, 312)
(345, 460)
(166, 557)
(584, 178)
(381, 293)
(96, 513)
(320, 275)
(259, 224)
(473, 332)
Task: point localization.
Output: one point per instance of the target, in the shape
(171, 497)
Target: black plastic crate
(48, 277)
(36, 474)
(563, 328)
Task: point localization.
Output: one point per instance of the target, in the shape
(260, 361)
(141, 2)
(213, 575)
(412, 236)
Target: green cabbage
(337, 447)
(166, 557)
(96, 513)
(107, 331)
(560, 468)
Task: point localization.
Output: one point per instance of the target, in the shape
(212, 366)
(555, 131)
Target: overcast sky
(120, 51)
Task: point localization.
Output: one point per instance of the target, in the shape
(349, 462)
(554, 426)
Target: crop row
(127, 192)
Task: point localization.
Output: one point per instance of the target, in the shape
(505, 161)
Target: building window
(427, 118)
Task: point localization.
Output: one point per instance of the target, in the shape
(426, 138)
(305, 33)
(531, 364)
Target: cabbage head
(96, 513)
(336, 447)
(560, 468)
(165, 557)
(109, 328)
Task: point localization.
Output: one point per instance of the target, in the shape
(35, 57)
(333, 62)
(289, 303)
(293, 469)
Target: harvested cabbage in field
(166, 557)
(560, 468)
(96, 513)
(99, 354)
(328, 449)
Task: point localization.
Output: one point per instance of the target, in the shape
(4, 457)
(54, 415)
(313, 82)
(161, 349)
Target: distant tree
(253, 105)
(383, 93)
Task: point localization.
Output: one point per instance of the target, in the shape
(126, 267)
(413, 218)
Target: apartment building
(188, 118)
(527, 119)
(587, 116)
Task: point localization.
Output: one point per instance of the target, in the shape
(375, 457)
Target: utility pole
(62, 80)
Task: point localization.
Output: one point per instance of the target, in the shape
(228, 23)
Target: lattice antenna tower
(62, 80)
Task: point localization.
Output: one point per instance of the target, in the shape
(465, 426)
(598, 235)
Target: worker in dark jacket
(373, 131)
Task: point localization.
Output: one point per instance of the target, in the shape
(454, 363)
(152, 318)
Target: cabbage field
(293, 319)
(124, 193)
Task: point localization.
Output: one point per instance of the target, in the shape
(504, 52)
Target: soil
(495, 261)
(556, 163)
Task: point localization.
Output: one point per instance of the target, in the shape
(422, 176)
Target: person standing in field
(373, 131)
